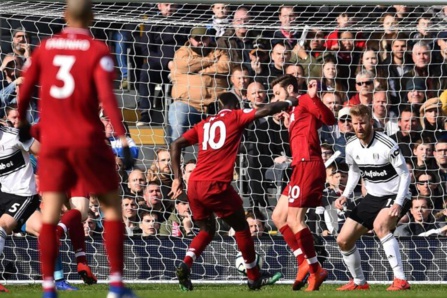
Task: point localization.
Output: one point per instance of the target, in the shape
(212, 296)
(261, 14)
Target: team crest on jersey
(357, 157)
(107, 64)
(376, 156)
(396, 153)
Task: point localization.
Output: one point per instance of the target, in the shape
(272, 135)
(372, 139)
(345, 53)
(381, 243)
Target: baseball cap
(259, 46)
(442, 35)
(201, 31)
(431, 103)
(182, 198)
(344, 113)
(415, 84)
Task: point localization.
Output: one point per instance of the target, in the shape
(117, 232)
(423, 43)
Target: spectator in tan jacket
(199, 74)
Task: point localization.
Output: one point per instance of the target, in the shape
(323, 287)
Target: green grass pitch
(231, 291)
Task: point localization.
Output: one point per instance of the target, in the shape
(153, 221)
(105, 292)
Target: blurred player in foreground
(75, 73)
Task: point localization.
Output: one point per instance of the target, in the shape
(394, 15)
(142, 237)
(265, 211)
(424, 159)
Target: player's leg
(72, 219)
(114, 243)
(349, 233)
(244, 242)
(304, 191)
(304, 238)
(198, 244)
(279, 217)
(48, 243)
(227, 204)
(17, 210)
(33, 226)
(383, 225)
(95, 170)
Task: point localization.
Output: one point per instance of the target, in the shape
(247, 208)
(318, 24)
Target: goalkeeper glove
(25, 132)
(128, 161)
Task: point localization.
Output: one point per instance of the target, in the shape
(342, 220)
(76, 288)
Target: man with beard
(199, 74)
(387, 185)
(160, 171)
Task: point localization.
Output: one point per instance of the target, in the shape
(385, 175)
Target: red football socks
(291, 241)
(306, 242)
(197, 246)
(49, 248)
(246, 246)
(72, 220)
(114, 244)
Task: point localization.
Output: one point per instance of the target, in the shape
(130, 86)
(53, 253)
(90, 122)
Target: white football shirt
(16, 171)
(377, 163)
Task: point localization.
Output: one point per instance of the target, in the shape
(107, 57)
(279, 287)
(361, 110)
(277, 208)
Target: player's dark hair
(228, 100)
(285, 81)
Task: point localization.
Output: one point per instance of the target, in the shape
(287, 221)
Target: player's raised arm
(31, 79)
(316, 107)
(276, 107)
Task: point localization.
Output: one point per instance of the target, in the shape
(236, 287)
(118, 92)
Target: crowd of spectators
(400, 73)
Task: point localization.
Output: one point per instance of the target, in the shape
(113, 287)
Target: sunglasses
(425, 182)
(343, 120)
(367, 83)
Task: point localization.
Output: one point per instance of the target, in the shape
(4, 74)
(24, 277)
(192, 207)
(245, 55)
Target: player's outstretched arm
(176, 151)
(276, 107)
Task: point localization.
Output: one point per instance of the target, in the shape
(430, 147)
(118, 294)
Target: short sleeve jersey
(75, 73)
(377, 163)
(16, 171)
(219, 138)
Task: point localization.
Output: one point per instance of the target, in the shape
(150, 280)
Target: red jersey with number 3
(75, 73)
(219, 138)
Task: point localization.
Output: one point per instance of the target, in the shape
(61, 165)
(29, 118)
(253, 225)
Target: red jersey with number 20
(75, 73)
(219, 138)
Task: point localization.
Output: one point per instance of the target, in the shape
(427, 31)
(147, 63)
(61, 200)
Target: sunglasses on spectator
(425, 182)
(367, 83)
(343, 120)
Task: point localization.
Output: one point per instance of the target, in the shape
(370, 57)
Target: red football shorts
(306, 185)
(208, 197)
(90, 170)
(78, 190)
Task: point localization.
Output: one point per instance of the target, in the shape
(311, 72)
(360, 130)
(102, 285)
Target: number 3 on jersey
(65, 63)
(209, 135)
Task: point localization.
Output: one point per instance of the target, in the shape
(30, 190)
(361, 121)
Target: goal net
(399, 49)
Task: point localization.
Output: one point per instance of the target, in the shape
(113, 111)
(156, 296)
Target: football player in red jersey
(306, 185)
(75, 73)
(209, 186)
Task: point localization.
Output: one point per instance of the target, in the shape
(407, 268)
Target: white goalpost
(133, 29)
